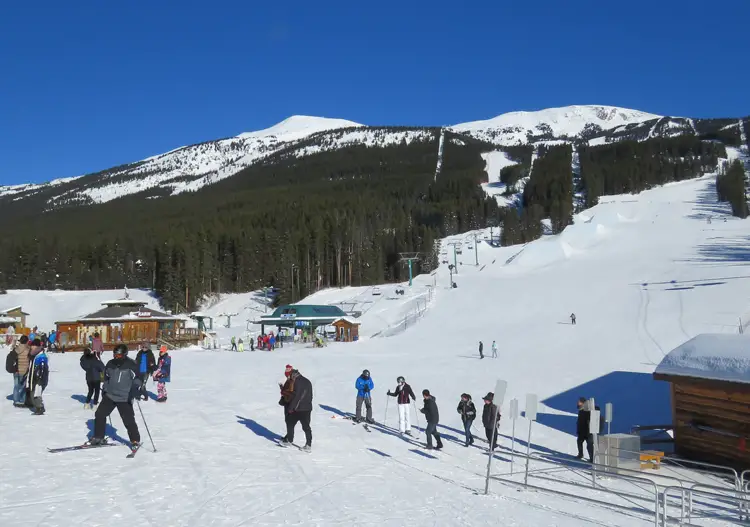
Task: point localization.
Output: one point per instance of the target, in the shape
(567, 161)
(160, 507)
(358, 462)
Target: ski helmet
(365, 373)
(400, 379)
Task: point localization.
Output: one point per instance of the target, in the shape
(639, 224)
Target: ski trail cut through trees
(440, 153)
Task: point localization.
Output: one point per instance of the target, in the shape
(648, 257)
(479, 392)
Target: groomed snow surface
(642, 273)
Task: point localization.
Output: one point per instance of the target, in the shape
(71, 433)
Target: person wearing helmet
(403, 395)
(364, 385)
(163, 374)
(121, 385)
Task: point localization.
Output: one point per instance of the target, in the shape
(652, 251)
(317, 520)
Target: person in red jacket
(404, 395)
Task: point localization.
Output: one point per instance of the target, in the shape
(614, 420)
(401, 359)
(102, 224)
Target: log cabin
(347, 329)
(710, 391)
(127, 322)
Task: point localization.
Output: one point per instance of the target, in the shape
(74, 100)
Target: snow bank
(721, 357)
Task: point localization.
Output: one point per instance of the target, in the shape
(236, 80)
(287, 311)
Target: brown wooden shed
(18, 314)
(347, 329)
(710, 386)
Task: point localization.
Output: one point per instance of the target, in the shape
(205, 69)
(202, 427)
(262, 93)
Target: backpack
(11, 361)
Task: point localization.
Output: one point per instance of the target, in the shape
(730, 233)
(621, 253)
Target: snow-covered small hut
(710, 385)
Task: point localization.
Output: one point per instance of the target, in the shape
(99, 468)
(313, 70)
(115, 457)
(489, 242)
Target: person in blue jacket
(364, 385)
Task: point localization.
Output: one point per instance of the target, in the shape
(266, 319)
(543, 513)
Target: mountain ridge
(192, 167)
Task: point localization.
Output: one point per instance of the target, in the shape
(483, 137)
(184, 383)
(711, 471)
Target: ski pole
(387, 398)
(146, 425)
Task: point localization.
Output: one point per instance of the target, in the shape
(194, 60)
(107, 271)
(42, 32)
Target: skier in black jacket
(468, 413)
(146, 363)
(94, 369)
(298, 410)
(404, 395)
(490, 413)
(121, 385)
(583, 429)
(432, 417)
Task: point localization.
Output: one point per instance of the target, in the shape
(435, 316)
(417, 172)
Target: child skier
(468, 413)
(162, 374)
(94, 369)
(404, 395)
(38, 376)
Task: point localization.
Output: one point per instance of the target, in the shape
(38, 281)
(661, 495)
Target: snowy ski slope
(642, 273)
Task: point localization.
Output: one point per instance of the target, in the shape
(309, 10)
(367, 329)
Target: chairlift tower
(409, 258)
(475, 237)
(455, 263)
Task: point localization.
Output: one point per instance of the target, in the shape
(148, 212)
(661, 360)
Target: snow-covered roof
(8, 320)
(124, 302)
(200, 314)
(350, 320)
(14, 308)
(720, 357)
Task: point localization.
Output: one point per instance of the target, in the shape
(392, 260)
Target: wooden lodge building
(710, 387)
(126, 322)
(307, 317)
(13, 316)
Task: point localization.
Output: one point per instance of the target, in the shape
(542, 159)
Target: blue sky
(87, 85)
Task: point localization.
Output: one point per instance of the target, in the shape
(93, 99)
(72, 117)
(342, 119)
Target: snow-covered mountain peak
(299, 126)
(568, 121)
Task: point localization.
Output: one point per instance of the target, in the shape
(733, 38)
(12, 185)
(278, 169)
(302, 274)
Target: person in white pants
(404, 395)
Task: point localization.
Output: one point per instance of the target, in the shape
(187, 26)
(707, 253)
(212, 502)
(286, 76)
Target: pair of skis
(88, 446)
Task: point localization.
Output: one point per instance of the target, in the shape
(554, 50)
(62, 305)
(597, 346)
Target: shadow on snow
(258, 429)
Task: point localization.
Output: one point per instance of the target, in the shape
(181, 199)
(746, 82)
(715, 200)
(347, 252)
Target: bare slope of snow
(569, 121)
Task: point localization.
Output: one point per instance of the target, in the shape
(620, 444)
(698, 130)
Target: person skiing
(298, 410)
(38, 376)
(468, 413)
(234, 344)
(432, 417)
(403, 395)
(494, 349)
(481, 349)
(583, 429)
(146, 366)
(121, 384)
(163, 374)
(490, 413)
(364, 385)
(573, 318)
(94, 369)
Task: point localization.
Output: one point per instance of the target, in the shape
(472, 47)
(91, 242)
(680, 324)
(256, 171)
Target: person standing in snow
(287, 391)
(234, 344)
(573, 318)
(121, 384)
(490, 413)
(494, 349)
(481, 349)
(299, 410)
(94, 369)
(432, 417)
(97, 346)
(240, 345)
(252, 344)
(583, 429)
(468, 413)
(163, 374)
(364, 386)
(404, 395)
(22, 369)
(38, 376)
(146, 366)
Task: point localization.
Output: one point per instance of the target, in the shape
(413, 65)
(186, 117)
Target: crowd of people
(120, 382)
